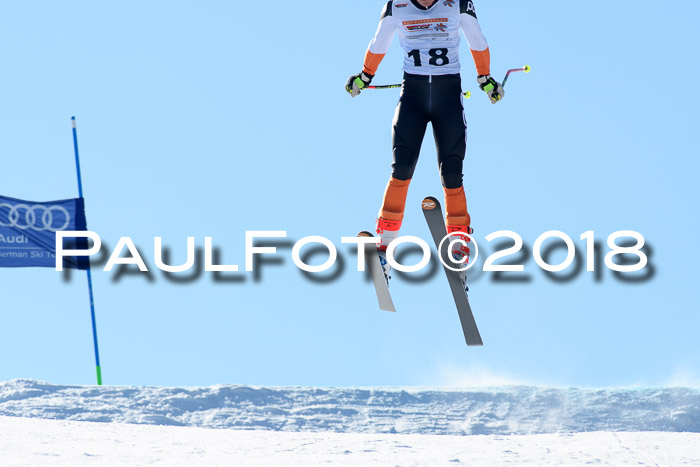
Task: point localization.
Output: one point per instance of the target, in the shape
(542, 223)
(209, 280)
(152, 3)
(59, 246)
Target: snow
(42, 423)
(489, 411)
(26, 441)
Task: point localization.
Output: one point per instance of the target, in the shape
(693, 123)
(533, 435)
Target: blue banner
(28, 232)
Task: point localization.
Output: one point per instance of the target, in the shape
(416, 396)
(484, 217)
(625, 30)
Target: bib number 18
(438, 57)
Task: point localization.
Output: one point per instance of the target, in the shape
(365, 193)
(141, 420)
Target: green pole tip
(527, 68)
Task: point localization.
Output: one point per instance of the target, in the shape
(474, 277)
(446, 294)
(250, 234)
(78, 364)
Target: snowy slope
(26, 441)
(497, 411)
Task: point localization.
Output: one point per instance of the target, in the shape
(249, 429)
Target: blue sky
(217, 118)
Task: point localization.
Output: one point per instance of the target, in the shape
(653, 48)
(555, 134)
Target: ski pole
(526, 69)
(383, 86)
(466, 94)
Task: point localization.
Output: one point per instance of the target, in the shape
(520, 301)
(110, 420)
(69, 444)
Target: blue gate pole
(89, 274)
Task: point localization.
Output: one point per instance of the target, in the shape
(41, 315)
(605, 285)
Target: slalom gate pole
(89, 273)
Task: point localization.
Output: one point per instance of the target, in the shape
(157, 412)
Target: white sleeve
(472, 31)
(382, 39)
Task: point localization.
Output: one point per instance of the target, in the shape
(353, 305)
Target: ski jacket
(429, 37)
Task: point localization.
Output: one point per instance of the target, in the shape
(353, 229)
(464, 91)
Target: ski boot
(460, 252)
(388, 231)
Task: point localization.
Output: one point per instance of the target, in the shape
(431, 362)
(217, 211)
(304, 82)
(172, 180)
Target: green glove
(491, 87)
(358, 82)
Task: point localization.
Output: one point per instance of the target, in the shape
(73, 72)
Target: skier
(429, 34)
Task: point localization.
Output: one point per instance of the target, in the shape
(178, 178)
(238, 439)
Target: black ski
(436, 223)
(377, 273)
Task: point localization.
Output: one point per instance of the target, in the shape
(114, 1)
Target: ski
(436, 223)
(377, 273)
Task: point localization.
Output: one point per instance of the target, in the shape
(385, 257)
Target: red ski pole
(526, 69)
(466, 94)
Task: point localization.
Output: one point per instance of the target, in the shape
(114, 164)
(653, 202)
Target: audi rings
(37, 217)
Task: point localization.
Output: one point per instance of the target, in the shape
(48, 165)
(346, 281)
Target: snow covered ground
(25, 441)
(494, 411)
(42, 423)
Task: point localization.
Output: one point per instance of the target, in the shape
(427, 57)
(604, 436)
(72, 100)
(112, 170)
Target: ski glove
(491, 87)
(358, 82)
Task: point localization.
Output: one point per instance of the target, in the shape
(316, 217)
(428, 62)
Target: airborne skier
(429, 34)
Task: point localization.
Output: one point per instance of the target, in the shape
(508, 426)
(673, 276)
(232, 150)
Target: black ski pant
(435, 99)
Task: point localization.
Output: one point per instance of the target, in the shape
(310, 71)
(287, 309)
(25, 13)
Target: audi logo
(37, 217)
